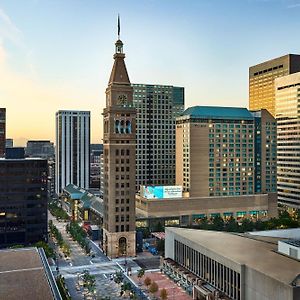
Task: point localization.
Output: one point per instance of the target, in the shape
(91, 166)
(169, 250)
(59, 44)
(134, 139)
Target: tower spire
(119, 44)
(119, 27)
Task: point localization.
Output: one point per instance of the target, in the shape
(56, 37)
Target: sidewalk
(174, 291)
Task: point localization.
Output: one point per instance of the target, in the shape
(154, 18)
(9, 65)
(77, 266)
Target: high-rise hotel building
(261, 80)
(218, 151)
(2, 131)
(72, 153)
(287, 91)
(157, 108)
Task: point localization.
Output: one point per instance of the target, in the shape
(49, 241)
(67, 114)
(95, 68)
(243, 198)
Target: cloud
(8, 30)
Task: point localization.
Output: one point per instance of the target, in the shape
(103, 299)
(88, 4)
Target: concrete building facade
(287, 92)
(72, 152)
(9, 143)
(119, 141)
(261, 80)
(190, 211)
(231, 266)
(40, 148)
(157, 108)
(219, 149)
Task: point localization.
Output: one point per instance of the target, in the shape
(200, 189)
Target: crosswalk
(83, 267)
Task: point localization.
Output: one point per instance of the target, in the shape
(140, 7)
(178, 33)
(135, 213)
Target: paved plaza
(174, 291)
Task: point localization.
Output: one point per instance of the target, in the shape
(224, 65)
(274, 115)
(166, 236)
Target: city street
(99, 266)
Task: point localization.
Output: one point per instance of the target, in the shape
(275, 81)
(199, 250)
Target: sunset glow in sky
(57, 54)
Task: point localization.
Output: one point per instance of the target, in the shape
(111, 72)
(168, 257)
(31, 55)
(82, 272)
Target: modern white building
(72, 152)
(221, 265)
(157, 107)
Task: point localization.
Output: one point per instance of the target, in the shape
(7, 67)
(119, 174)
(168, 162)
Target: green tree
(153, 288)
(140, 274)
(203, 223)
(231, 225)
(48, 250)
(118, 277)
(147, 281)
(247, 225)
(163, 294)
(126, 286)
(89, 280)
(218, 223)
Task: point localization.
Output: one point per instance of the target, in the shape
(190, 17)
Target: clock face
(122, 99)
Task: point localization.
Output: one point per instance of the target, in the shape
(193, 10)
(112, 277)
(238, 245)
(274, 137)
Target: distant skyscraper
(40, 148)
(72, 152)
(23, 201)
(2, 131)
(9, 143)
(261, 80)
(157, 108)
(265, 152)
(119, 138)
(95, 152)
(287, 91)
(215, 151)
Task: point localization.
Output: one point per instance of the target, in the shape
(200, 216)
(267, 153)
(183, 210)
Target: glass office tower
(288, 136)
(261, 80)
(157, 108)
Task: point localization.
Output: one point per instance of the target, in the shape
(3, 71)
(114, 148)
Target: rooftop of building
(155, 85)
(26, 159)
(23, 275)
(295, 243)
(74, 191)
(86, 198)
(218, 112)
(73, 112)
(257, 253)
(276, 59)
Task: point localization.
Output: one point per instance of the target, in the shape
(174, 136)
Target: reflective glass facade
(157, 108)
(261, 80)
(23, 201)
(288, 135)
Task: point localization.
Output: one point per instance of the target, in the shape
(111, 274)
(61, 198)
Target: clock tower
(119, 142)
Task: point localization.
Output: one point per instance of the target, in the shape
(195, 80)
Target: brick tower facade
(119, 142)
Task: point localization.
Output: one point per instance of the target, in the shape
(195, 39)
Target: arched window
(122, 246)
(122, 126)
(128, 126)
(106, 127)
(117, 126)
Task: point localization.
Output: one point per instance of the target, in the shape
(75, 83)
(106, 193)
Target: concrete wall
(259, 286)
(293, 233)
(285, 249)
(207, 205)
(199, 159)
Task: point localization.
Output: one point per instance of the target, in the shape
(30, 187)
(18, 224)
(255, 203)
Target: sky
(57, 54)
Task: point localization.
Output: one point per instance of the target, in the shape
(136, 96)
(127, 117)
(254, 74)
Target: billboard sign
(161, 192)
